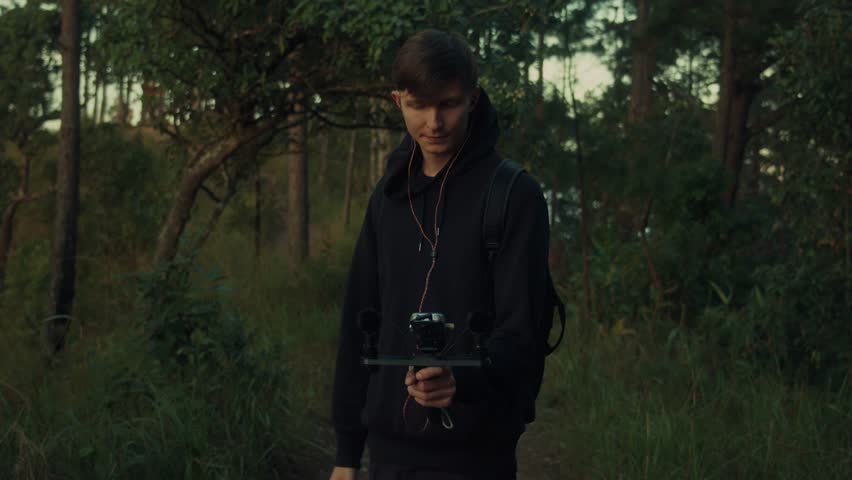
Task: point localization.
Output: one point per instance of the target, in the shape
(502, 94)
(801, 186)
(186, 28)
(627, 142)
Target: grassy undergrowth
(625, 406)
(615, 404)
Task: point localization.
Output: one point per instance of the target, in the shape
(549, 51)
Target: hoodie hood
(482, 141)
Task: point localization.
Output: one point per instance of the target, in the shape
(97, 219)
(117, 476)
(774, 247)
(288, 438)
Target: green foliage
(185, 322)
(376, 24)
(28, 63)
(786, 302)
(122, 197)
(190, 394)
(28, 274)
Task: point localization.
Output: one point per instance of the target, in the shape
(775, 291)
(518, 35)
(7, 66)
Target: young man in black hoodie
(421, 249)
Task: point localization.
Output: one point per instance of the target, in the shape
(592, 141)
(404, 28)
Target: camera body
(431, 332)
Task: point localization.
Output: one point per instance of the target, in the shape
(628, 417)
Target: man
(421, 250)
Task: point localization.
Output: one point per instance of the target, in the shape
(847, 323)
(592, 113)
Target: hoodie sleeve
(350, 377)
(520, 296)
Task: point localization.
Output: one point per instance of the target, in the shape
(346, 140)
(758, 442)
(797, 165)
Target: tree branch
(210, 194)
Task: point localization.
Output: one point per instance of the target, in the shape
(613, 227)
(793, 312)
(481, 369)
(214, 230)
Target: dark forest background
(181, 183)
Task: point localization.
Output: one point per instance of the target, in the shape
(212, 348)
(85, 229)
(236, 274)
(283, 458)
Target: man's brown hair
(432, 59)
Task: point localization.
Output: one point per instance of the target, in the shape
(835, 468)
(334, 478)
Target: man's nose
(434, 119)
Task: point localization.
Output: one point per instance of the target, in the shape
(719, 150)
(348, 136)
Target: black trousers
(394, 472)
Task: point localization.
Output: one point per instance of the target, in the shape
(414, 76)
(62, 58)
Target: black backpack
(493, 221)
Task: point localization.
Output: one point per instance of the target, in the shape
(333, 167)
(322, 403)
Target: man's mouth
(436, 139)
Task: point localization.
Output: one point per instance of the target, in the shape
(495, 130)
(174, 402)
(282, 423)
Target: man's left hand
(432, 386)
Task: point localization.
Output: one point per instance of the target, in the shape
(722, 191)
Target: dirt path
(539, 457)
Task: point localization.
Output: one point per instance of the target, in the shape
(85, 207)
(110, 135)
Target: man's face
(437, 123)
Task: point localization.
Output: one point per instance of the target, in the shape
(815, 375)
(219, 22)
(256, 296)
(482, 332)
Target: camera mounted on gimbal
(431, 333)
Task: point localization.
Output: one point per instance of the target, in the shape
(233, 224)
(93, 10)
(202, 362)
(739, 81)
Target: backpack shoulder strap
(493, 223)
(496, 205)
(560, 308)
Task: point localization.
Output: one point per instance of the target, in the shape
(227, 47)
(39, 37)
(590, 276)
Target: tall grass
(632, 406)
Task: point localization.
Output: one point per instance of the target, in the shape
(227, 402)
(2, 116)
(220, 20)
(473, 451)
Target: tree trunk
(257, 207)
(188, 187)
(96, 101)
(121, 105)
(384, 146)
(297, 189)
(847, 233)
(87, 62)
(644, 64)
(734, 138)
(7, 230)
(222, 203)
(588, 294)
(539, 108)
(347, 189)
(374, 147)
(67, 182)
(102, 114)
(737, 91)
(323, 158)
(128, 88)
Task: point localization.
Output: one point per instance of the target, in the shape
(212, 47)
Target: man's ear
(397, 98)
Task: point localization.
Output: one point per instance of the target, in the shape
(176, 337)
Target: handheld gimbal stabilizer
(430, 332)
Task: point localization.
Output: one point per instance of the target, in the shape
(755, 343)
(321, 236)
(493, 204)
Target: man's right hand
(344, 473)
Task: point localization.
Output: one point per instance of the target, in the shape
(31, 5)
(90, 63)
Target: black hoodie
(388, 272)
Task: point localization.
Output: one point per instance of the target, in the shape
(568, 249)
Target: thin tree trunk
(127, 92)
(371, 169)
(384, 146)
(372, 160)
(87, 63)
(584, 212)
(257, 207)
(96, 103)
(7, 227)
(847, 233)
(347, 189)
(297, 189)
(121, 105)
(222, 203)
(67, 182)
(323, 160)
(539, 108)
(102, 115)
(7, 231)
(646, 249)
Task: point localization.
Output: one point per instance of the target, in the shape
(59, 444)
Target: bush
(186, 392)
